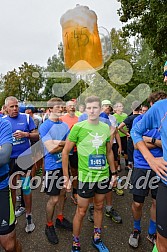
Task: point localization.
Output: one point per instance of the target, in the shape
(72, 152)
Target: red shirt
(69, 120)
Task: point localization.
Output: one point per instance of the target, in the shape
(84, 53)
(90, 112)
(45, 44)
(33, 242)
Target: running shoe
(118, 191)
(18, 198)
(51, 234)
(19, 211)
(134, 238)
(114, 216)
(91, 214)
(65, 224)
(99, 245)
(76, 247)
(152, 238)
(30, 226)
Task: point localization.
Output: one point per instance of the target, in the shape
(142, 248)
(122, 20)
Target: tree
(55, 64)
(146, 18)
(147, 67)
(24, 83)
(12, 85)
(134, 62)
(1, 90)
(122, 52)
(105, 83)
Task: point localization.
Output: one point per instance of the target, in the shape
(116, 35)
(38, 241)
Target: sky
(30, 31)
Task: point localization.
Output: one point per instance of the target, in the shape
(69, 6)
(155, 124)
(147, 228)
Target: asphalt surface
(114, 235)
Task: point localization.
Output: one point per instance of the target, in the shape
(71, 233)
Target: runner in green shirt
(120, 117)
(95, 156)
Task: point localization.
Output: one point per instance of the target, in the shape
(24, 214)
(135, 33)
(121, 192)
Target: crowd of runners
(79, 151)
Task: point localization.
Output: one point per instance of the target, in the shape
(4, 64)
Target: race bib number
(58, 158)
(17, 141)
(97, 162)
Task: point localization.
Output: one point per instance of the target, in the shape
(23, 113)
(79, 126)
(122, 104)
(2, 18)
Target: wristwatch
(114, 173)
(153, 140)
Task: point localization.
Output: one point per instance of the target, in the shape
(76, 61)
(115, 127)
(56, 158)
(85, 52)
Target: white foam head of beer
(80, 15)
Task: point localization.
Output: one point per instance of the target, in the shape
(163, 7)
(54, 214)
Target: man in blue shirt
(141, 170)
(7, 218)
(53, 133)
(23, 129)
(156, 117)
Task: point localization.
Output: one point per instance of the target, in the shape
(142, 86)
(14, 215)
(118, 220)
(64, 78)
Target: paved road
(115, 235)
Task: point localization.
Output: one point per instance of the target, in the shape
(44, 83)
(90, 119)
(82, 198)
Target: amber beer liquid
(81, 39)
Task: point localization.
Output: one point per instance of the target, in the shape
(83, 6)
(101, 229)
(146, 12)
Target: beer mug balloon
(82, 47)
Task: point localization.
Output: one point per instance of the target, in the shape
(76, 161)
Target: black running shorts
(143, 181)
(161, 214)
(7, 216)
(54, 182)
(88, 189)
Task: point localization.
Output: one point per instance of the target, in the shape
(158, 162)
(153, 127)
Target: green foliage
(122, 50)
(34, 83)
(25, 84)
(105, 84)
(1, 90)
(55, 64)
(146, 18)
(147, 67)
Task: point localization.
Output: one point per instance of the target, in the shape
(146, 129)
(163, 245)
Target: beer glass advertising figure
(81, 41)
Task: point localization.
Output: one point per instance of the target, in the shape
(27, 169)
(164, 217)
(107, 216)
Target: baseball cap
(105, 102)
(22, 107)
(31, 107)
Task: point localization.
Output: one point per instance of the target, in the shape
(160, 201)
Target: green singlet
(91, 142)
(120, 118)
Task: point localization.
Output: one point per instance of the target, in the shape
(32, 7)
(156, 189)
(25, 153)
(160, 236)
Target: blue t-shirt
(5, 137)
(82, 117)
(24, 123)
(138, 118)
(139, 160)
(103, 118)
(50, 130)
(155, 118)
